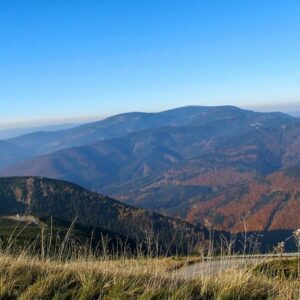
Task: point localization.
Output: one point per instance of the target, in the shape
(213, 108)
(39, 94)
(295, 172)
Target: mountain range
(222, 166)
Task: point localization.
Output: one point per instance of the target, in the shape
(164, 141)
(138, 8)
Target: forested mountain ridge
(65, 201)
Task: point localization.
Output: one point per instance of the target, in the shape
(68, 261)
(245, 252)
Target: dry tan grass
(46, 275)
(27, 277)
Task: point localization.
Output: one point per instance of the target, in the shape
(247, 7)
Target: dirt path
(22, 218)
(214, 267)
(210, 268)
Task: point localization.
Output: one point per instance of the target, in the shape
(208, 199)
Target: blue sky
(76, 59)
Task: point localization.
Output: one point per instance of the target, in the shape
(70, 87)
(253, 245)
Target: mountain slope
(295, 114)
(65, 201)
(11, 154)
(269, 204)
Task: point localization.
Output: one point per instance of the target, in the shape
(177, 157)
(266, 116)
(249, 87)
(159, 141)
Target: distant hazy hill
(136, 155)
(65, 201)
(43, 142)
(15, 132)
(295, 114)
(40, 142)
(115, 126)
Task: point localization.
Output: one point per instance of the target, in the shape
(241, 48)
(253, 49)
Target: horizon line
(40, 122)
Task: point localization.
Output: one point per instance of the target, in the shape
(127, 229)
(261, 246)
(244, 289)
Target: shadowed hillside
(65, 201)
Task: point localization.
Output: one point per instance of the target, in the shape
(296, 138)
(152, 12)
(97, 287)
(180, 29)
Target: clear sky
(85, 58)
